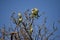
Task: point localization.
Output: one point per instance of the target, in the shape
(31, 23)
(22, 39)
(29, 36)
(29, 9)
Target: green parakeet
(30, 29)
(35, 12)
(20, 18)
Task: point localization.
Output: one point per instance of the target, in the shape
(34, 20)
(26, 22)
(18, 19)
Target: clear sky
(51, 7)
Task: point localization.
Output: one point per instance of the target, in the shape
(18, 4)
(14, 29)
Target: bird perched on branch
(19, 18)
(30, 30)
(34, 12)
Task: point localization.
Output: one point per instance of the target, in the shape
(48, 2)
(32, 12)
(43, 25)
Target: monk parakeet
(20, 18)
(34, 12)
(30, 29)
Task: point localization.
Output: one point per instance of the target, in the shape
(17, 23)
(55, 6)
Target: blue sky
(51, 7)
